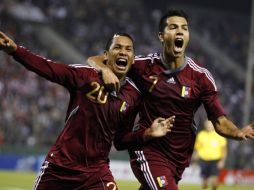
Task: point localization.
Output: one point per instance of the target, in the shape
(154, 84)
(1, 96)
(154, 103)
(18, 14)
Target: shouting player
(79, 158)
(172, 84)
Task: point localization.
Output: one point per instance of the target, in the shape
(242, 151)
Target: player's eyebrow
(123, 45)
(175, 24)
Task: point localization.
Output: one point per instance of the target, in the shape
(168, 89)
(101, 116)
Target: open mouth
(179, 42)
(121, 62)
(178, 45)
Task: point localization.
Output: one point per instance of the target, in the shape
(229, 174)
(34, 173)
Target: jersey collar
(168, 71)
(122, 83)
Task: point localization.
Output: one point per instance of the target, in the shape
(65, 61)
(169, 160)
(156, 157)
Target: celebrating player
(172, 84)
(79, 157)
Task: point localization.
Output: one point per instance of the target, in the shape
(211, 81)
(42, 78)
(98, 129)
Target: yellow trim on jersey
(183, 91)
(122, 106)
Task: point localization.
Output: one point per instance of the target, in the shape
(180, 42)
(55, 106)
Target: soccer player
(211, 153)
(79, 157)
(172, 84)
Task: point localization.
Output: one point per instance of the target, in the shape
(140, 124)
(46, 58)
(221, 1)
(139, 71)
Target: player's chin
(120, 69)
(120, 72)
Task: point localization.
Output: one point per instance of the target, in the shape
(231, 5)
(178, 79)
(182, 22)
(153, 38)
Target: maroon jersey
(177, 92)
(93, 114)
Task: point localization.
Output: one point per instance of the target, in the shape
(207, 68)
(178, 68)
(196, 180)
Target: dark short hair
(110, 40)
(168, 14)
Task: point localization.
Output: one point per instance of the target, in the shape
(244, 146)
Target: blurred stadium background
(33, 110)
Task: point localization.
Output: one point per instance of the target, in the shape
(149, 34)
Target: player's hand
(247, 132)
(110, 79)
(7, 44)
(159, 128)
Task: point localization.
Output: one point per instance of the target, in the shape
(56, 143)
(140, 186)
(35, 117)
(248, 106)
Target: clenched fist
(7, 44)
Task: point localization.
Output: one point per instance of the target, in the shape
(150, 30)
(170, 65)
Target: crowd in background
(33, 109)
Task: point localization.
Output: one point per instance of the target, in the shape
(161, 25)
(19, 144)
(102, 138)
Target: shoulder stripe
(150, 56)
(80, 66)
(154, 55)
(196, 67)
(132, 83)
(142, 58)
(83, 66)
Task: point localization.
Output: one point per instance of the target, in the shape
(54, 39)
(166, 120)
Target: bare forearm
(96, 62)
(226, 128)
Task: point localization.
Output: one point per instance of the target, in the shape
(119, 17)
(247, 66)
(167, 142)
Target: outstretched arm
(109, 78)
(63, 74)
(226, 128)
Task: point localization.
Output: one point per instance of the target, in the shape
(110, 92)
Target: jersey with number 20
(93, 114)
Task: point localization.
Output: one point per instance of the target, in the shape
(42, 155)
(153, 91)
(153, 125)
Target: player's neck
(122, 79)
(173, 62)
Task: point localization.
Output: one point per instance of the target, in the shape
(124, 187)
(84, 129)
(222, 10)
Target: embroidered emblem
(186, 92)
(162, 181)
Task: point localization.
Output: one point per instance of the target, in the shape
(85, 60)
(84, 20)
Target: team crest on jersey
(124, 106)
(186, 92)
(162, 180)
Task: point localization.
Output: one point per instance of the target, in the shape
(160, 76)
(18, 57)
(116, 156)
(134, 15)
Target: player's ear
(160, 36)
(105, 54)
(133, 59)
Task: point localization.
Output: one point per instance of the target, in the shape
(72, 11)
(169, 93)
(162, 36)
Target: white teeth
(121, 63)
(121, 59)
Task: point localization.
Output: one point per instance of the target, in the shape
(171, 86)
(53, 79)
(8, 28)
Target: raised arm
(67, 75)
(227, 128)
(109, 78)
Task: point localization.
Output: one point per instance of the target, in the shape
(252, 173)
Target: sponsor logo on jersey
(113, 93)
(162, 180)
(171, 80)
(186, 91)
